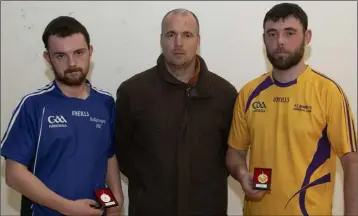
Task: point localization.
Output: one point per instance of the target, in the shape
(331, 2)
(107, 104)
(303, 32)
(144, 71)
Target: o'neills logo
(80, 113)
(281, 99)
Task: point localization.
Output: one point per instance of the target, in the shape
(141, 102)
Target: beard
(286, 62)
(72, 76)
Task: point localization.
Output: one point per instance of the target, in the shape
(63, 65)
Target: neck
(288, 75)
(183, 73)
(80, 91)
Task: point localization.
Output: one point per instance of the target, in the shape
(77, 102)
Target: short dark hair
(181, 10)
(64, 26)
(284, 10)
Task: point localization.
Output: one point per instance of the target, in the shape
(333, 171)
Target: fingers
(256, 191)
(96, 212)
(252, 193)
(90, 202)
(93, 211)
(255, 194)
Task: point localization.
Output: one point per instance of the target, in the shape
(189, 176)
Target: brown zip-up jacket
(171, 142)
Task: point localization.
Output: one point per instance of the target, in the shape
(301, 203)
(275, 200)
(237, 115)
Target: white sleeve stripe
(102, 91)
(39, 140)
(26, 96)
(18, 108)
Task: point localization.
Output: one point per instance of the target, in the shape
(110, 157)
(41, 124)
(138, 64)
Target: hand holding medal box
(105, 198)
(262, 179)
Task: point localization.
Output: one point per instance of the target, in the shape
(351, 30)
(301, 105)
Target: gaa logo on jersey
(258, 106)
(56, 121)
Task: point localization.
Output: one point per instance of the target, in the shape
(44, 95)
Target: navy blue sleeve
(112, 118)
(19, 141)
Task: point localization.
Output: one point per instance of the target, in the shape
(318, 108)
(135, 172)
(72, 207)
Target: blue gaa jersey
(65, 142)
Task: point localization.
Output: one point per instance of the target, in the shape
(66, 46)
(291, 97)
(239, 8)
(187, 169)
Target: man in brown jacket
(172, 126)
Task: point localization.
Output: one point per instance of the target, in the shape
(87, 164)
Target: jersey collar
(59, 91)
(293, 82)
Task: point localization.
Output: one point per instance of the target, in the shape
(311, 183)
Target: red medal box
(262, 179)
(105, 198)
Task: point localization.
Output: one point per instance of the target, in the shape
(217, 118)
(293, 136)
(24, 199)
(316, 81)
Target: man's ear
(161, 40)
(46, 56)
(263, 38)
(308, 36)
(90, 50)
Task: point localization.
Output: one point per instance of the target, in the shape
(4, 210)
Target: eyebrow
(172, 31)
(57, 53)
(286, 29)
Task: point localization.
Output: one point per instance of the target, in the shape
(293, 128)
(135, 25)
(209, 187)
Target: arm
(238, 141)
(237, 152)
(123, 131)
(113, 179)
(350, 167)
(236, 162)
(342, 135)
(20, 179)
(18, 148)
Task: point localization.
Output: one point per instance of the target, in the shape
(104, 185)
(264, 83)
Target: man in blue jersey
(58, 145)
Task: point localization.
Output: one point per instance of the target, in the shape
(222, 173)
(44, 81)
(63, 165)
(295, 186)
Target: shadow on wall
(237, 190)
(13, 198)
(125, 182)
(307, 55)
(50, 76)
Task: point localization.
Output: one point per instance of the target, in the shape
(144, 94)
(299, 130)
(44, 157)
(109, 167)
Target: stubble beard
(69, 79)
(287, 62)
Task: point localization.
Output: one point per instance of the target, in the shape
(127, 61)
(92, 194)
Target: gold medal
(262, 178)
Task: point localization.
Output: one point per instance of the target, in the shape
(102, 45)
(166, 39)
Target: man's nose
(178, 41)
(281, 39)
(71, 61)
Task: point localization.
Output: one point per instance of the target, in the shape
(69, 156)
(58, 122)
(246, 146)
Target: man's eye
(170, 35)
(187, 35)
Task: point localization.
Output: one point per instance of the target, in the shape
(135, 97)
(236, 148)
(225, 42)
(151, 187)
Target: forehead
(66, 44)
(282, 24)
(180, 22)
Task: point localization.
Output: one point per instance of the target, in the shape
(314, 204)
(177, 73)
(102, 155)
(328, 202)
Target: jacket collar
(203, 87)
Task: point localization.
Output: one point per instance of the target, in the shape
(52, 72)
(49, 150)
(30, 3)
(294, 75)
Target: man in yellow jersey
(295, 121)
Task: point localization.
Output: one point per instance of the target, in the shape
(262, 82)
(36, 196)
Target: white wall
(125, 37)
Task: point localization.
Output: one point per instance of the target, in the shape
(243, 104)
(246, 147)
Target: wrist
(118, 195)
(64, 206)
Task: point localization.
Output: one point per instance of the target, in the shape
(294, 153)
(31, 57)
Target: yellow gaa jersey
(297, 129)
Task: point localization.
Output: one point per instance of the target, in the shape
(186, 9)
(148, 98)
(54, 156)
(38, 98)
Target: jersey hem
(241, 148)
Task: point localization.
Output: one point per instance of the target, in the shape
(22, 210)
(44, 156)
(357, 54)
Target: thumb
(250, 179)
(251, 176)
